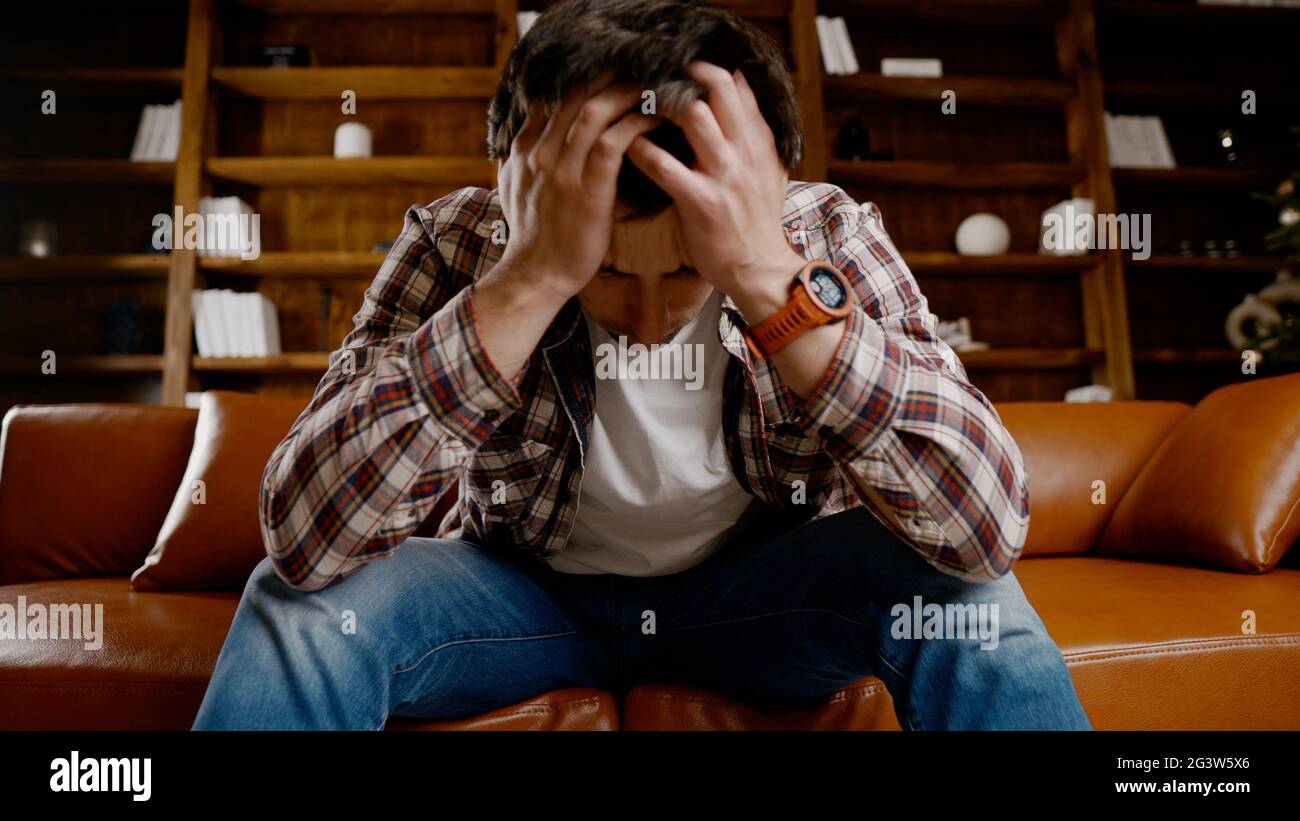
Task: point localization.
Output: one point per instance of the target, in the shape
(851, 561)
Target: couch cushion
(159, 650)
(864, 705)
(1149, 646)
(83, 488)
(1161, 647)
(1069, 446)
(574, 708)
(215, 544)
(1223, 489)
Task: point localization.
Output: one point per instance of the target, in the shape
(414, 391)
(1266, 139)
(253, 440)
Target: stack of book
(1138, 142)
(227, 323)
(838, 56)
(158, 136)
(229, 228)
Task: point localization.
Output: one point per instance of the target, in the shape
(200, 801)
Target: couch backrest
(1068, 448)
(84, 487)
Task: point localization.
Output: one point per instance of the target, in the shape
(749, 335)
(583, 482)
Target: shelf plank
(282, 171)
(1013, 13)
(371, 82)
(294, 264)
(301, 361)
(91, 171)
(1003, 91)
(1186, 356)
(1198, 177)
(950, 175)
(946, 262)
(1032, 358)
(1244, 264)
(111, 267)
(83, 364)
(1195, 14)
(93, 76)
(421, 7)
(1194, 95)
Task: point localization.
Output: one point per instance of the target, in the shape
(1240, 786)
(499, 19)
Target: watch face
(827, 288)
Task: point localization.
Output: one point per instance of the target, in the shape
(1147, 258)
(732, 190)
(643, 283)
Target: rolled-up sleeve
(897, 413)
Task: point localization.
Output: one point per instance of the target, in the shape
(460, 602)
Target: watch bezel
(804, 280)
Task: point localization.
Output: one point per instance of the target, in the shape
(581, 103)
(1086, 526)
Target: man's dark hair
(645, 43)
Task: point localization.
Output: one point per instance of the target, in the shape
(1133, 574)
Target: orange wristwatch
(819, 295)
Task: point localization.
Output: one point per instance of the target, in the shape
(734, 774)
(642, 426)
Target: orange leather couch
(1157, 532)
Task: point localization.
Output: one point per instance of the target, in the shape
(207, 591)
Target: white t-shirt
(658, 495)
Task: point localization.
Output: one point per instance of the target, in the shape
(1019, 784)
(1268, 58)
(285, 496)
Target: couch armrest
(1223, 489)
(84, 487)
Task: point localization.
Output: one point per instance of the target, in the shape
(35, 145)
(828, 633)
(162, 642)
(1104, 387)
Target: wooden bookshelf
(85, 171)
(71, 267)
(325, 171)
(373, 82)
(951, 176)
(1032, 79)
(1029, 91)
(1195, 84)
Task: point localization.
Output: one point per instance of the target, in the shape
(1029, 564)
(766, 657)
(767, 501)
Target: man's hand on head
(731, 202)
(558, 187)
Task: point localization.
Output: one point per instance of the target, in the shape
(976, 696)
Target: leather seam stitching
(1084, 657)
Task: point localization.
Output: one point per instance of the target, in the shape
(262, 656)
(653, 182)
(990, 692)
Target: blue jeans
(446, 629)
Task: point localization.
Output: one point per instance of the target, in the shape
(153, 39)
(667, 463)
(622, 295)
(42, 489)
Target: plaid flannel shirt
(411, 402)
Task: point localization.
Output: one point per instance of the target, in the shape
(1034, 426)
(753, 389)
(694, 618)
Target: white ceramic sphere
(982, 235)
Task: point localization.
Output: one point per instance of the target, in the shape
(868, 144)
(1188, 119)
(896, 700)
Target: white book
(137, 147)
(1123, 142)
(1164, 154)
(826, 42)
(248, 318)
(230, 322)
(272, 319)
(268, 327)
(911, 67)
(157, 134)
(202, 339)
(845, 44)
(172, 145)
(250, 310)
(227, 212)
(1149, 141)
(149, 123)
(1137, 148)
(214, 313)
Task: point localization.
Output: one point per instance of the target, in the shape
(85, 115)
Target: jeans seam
(758, 616)
(408, 668)
(909, 716)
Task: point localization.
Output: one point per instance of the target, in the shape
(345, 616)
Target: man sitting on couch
(703, 428)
